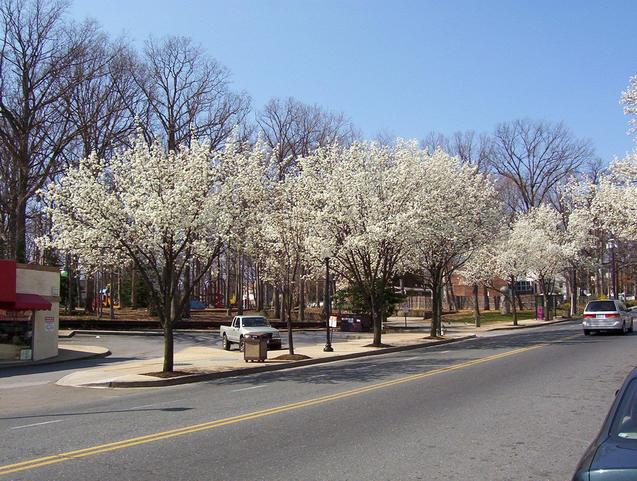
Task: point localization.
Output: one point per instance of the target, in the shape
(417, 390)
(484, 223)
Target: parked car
(609, 315)
(244, 325)
(611, 456)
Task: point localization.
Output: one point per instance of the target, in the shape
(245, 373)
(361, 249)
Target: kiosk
(29, 311)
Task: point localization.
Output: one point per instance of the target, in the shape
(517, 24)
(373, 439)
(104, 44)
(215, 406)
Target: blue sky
(410, 67)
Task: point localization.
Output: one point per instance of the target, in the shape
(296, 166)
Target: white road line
(157, 404)
(412, 358)
(18, 385)
(441, 352)
(37, 424)
(248, 388)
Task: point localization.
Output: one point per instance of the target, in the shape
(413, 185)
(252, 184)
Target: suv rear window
(601, 306)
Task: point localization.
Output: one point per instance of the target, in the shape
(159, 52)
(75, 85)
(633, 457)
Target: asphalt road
(519, 406)
(27, 385)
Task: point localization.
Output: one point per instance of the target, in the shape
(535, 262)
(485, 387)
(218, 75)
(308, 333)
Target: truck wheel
(242, 344)
(225, 343)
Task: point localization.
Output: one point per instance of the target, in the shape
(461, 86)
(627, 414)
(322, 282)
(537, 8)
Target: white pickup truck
(244, 325)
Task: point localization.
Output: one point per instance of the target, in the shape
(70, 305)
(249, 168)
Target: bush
(355, 298)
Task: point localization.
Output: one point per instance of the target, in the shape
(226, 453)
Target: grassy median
(486, 317)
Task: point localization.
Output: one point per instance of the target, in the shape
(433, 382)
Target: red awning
(26, 302)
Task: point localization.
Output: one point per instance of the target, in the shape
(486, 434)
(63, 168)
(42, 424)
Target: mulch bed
(165, 375)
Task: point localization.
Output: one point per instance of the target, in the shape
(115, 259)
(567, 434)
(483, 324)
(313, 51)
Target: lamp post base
(328, 348)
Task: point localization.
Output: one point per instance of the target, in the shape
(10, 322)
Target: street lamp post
(327, 307)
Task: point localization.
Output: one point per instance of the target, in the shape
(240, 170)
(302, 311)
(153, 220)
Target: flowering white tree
(545, 246)
(363, 199)
(483, 268)
(574, 206)
(285, 225)
(629, 100)
(615, 202)
(162, 210)
(457, 212)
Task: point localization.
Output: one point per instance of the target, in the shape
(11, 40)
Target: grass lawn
(487, 317)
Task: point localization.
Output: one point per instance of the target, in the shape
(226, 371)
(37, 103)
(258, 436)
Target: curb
(97, 332)
(504, 328)
(52, 360)
(277, 367)
(157, 332)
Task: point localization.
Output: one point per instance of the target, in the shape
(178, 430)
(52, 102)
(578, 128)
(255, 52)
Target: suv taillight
(614, 314)
(588, 316)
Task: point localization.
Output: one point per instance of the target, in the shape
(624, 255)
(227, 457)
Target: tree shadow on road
(414, 361)
(174, 409)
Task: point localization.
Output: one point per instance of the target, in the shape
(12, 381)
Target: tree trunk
(21, 223)
(187, 288)
(239, 268)
(119, 287)
(519, 299)
(302, 296)
(133, 300)
(168, 308)
(573, 311)
(451, 297)
(436, 305)
(277, 302)
(476, 305)
(376, 323)
(287, 301)
(168, 339)
(226, 291)
(69, 287)
(485, 298)
(546, 301)
(111, 307)
(98, 294)
(513, 307)
(259, 287)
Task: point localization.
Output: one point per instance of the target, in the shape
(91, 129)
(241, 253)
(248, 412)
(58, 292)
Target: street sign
(405, 308)
(332, 321)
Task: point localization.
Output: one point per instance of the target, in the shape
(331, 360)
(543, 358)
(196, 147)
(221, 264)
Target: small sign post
(405, 309)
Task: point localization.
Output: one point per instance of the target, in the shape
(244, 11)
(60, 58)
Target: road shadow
(61, 366)
(414, 361)
(174, 409)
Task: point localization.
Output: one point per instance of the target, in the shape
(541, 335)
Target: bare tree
(468, 146)
(102, 104)
(187, 94)
(38, 60)
(293, 129)
(535, 157)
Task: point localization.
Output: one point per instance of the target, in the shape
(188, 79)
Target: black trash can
(355, 323)
(255, 347)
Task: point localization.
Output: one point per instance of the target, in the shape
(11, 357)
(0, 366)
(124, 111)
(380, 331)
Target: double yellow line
(127, 443)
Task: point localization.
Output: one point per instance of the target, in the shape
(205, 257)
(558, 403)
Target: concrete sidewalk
(66, 353)
(205, 363)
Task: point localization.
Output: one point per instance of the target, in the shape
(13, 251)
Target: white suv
(610, 315)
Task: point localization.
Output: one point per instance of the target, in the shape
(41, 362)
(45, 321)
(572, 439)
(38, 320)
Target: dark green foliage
(142, 292)
(357, 299)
